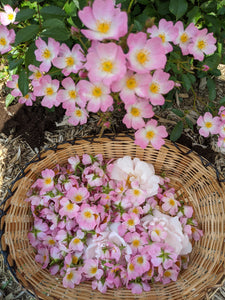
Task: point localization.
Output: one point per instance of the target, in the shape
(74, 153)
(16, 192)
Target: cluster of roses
(113, 222)
(213, 125)
(104, 74)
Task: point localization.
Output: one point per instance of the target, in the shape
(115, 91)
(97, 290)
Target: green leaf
(211, 88)
(70, 9)
(213, 61)
(56, 29)
(137, 25)
(222, 101)
(53, 23)
(186, 81)
(30, 58)
(24, 14)
(178, 112)
(49, 12)
(23, 82)
(9, 99)
(177, 131)
(27, 33)
(76, 2)
(189, 123)
(178, 7)
(15, 63)
(162, 7)
(194, 15)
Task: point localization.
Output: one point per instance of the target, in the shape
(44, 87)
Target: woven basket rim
(61, 146)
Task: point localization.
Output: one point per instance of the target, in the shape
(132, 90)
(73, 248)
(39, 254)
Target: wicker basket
(194, 183)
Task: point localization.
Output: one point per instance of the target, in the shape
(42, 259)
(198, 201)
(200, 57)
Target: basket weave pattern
(195, 184)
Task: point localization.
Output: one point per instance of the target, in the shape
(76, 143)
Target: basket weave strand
(194, 184)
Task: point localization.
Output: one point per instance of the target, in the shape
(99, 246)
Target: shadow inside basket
(194, 184)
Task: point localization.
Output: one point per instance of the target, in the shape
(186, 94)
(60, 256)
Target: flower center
(69, 206)
(162, 37)
(76, 241)
(150, 272)
(46, 54)
(140, 260)
(135, 112)
(51, 242)
(44, 257)
(154, 88)
(26, 97)
(10, 17)
(167, 273)
(201, 44)
(72, 94)
(38, 75)
(74, 260)
(93, 270)
(107, 66)
(78, 113)
(142, 56)
(131, 267)
(184, 37)
(48, 180)
(157, 231)
(131, 83)
(69, 276)
(3, 41)
(103, 27)
(136, 192)
(97, 92)
(150, 134)
(171, 202)
(136, 243)
(49, 91)
(135, 210)
(87, 214)
(69, 61)
(78, 198)
(130, 222)
(208, 124)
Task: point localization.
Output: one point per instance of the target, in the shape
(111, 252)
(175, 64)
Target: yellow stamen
(44, 257)
(46, 53)
(167, 273)
(208, 124)
(107, 66)
(201, 44)
(51, 242)
(49, 91)
(27, 96)
(10, 17)
(172, 202)
(135, 210)
(142, 56)
(69, 206)
(157, 231)
(38, 75)
(78, 198)
(69, 61)
(136, 243)
(184, 37)
(3, 41)
(136, 192)
(72, 94)
(131, 83)
(130, 222)
(149, 273)
(140, 260)
(103, 27)
(48, 180)
(76, 241)
(74, 260)
(150, 134)
(78, 113)
(69, 276)
(94, 270)
(154, 88)
(97, 92)
(135, 112)
(162, 37)
(131, 267)
(87, 214)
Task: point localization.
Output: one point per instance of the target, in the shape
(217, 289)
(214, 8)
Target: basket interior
(195, 184)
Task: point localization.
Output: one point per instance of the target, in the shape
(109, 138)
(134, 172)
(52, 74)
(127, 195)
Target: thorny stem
(39, 15)
(162, 120)
(130, 5)
(82, 43)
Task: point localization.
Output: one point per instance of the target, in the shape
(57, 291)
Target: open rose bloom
(114, 222)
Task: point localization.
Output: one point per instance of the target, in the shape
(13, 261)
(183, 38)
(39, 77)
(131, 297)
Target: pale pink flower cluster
(116, 223)
(210, 125)
(119, 68)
